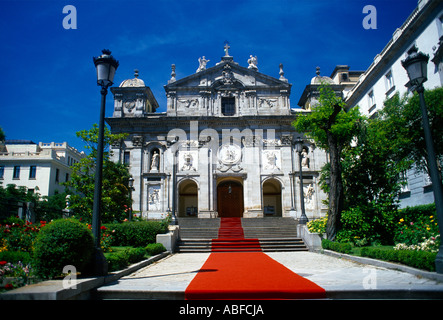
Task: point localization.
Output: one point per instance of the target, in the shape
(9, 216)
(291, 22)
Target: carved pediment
(227, 74)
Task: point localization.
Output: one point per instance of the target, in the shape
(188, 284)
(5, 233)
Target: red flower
(2, 263)
(9, 286)
(103, 228)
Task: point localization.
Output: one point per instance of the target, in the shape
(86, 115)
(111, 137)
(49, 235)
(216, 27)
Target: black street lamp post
(299, 148)
(106, 66)
(416, 67)
(131, 188)
(174, 220)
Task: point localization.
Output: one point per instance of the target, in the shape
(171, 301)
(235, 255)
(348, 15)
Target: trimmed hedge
(136, 234)
(417, 259)
(336, 246)
(62, 242)
(155, 248)
(121, 259)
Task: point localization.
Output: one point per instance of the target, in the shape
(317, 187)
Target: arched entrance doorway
(272, 198)
(188, 199)
(230, 199)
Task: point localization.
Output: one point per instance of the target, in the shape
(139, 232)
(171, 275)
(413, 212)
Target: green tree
(402, 122)
(371, 185)
(332, 129)
(11, 196)
(115, 188)
(2, 135)
(51, 208)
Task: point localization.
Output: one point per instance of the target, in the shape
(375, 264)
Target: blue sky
(48, 83)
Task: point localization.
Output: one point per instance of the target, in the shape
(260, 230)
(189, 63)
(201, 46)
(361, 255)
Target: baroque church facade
(225, 146)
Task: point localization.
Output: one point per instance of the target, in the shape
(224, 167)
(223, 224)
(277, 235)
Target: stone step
(273, 233)
(263, 249)
(266, 245)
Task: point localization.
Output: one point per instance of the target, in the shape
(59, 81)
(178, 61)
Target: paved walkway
(341, 278)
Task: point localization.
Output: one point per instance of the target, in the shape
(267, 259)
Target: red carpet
(231, 238)
(233, 275)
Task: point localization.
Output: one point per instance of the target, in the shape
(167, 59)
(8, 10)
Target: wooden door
(230, 199)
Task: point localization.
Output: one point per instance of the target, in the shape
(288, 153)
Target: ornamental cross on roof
(227, 47)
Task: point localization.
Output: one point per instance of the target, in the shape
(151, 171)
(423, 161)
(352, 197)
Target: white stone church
(225, 146)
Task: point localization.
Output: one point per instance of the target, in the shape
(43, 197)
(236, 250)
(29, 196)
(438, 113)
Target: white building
(386, 76)
(41, 168)
(224, 147)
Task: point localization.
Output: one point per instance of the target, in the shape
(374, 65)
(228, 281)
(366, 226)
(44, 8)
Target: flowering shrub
(18, 235)
(106, 238)
(21, 272)
(412, 230)
(3, 245)
(317, 225)
(431, 245)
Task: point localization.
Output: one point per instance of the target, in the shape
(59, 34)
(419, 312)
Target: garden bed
(20, 265)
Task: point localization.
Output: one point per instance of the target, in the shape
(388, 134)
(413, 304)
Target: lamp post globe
(106, 66)
(416, 64)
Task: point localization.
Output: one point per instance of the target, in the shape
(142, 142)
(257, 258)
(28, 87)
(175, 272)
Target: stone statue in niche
(202, 63)
(305, 159)
(155, 161)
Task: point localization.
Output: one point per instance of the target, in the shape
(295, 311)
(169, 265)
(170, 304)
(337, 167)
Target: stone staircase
(273, 234)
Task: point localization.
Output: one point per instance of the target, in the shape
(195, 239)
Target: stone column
(252, 188)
